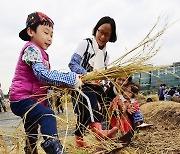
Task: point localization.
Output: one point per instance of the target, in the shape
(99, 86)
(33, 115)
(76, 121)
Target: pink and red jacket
(25, 84)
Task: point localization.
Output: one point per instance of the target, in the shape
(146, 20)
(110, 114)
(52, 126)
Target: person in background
(2, 104)
(177, 94)
(28, 97)
(170, 94)
(161, 92)
(91, 55)
(59, 105)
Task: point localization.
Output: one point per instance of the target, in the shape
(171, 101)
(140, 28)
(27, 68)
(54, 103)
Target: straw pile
(163, 136)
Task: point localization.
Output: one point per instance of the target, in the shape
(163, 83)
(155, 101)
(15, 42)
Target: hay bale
(162, 112)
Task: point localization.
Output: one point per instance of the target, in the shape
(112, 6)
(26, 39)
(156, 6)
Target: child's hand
(112, 107)
(78, 82)
(131, 109)
(121, 106)
(114, 103)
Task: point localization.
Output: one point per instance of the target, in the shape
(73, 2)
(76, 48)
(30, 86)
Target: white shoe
(144, 125)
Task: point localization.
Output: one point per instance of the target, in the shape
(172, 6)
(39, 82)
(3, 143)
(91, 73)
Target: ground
(162, 137)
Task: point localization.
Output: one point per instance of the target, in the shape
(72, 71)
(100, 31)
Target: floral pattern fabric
(32, 55)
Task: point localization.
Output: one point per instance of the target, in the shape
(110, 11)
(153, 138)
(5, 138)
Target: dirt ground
(161, 138)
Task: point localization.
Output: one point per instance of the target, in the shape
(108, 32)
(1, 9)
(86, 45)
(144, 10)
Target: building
(152, 80)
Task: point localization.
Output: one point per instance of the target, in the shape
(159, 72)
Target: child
(113, 91)
(27, 95)
(127, 105)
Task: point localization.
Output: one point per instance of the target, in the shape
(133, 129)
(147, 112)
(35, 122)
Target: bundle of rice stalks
(138, 61)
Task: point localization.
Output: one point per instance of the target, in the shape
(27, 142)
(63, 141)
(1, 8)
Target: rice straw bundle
(123, 67)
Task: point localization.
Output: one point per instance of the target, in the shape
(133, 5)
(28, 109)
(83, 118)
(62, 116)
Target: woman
(91, 55)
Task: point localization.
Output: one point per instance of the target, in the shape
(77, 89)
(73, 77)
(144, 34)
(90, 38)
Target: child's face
(43, 36)
(128, 94)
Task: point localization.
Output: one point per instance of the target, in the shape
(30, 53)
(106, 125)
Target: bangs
(47, 23)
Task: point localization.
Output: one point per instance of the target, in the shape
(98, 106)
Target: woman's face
(103, 35)
(121, 81)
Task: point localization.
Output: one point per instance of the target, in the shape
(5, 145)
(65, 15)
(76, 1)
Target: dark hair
(163, 84)
(107, 20)
(129, 79)
(46, 23)
(134, 88)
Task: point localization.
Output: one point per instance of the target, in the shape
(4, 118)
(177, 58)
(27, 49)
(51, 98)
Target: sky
(74, 21)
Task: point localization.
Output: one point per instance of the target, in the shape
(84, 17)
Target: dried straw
(121, 67)
(124, 66)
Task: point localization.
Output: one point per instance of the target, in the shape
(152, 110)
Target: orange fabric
(136, 106)
(124, 124)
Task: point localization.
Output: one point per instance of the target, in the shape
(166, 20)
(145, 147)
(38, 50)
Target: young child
(113, 91)
(126, 104)
(27, 95)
